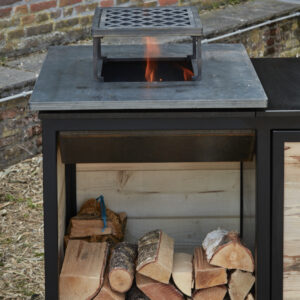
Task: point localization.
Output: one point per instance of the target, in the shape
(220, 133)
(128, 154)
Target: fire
(187, 74)
(152, 49)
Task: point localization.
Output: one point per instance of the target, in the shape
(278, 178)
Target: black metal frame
(269, 178)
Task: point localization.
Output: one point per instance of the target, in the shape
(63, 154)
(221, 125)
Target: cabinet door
(286, 215)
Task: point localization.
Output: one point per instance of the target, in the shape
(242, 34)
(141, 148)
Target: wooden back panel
(186, 200)
(291, 251)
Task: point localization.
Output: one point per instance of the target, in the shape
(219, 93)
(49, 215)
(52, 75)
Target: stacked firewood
(223, 264)
(105, 268)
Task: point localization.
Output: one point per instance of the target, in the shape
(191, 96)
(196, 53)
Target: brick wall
(281, 39)
(20, 132)
(31, 25)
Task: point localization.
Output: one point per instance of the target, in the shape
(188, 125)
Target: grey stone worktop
(66, 82)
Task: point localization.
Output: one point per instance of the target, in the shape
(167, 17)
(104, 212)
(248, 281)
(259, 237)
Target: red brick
(39, 141)
(37, 130)
(87, 7)
(40, 29)
(8, 114)
(68, 11)
(68, 2)
(8, 2)
(55, 14)
(167, 2)
(15, 34)
(107, 3)
(27, 19)
(5, 12)
(29, 132)
(21, 10)
(35, 7)
(270, 42)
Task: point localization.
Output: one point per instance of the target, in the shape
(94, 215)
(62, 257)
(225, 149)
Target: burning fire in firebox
(152, 50)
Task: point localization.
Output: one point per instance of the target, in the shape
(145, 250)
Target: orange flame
(152, 49)
(187, 74)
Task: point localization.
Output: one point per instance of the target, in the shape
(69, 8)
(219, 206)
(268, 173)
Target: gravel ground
(21, 231)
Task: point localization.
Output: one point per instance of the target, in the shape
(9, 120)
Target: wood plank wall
(186, 200)
(291, 275)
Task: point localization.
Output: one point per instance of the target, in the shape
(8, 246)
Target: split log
(250, 297)
(155, 256)
(207, 275)
(225, 249)
(106, 293)
(212, 293)
(156, 290)
(83, 270)
(88, 223)
(240, 284)
(84, 226)
(183, 272)
(122, 267)
(136, 294)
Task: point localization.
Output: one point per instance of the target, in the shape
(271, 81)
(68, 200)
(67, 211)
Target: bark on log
(83, 270)
(213, 293)
(183, 272)
(122, 267)
(106, 293)
(207, 275)
(155, 256)
(156, 290)
(240, 284)
(225, 249)
(136, 294)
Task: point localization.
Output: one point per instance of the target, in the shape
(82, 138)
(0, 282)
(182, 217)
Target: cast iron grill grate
(148, 17)
(144, 22)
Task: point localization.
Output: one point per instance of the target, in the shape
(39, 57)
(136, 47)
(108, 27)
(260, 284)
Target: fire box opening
(143, 70)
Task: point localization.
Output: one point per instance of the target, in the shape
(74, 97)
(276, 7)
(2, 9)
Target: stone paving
(20, 74)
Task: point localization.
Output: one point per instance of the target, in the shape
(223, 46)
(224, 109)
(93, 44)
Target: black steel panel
(50, 211)
(280, 78)
(156, 146)
(71, 201)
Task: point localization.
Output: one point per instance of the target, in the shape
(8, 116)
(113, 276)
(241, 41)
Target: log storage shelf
(200, 179)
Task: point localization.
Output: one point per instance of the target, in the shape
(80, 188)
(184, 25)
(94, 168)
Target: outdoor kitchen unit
(184, 154)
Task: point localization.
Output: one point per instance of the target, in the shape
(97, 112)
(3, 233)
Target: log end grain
(207, 275)
(83, 270)
(240, 284)
(122, 266)
(250, 297)
(183, 272)
(213, 293)
(136, 294)
(120, 280)
(156, 290)
(233, 255)
(106, 293)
